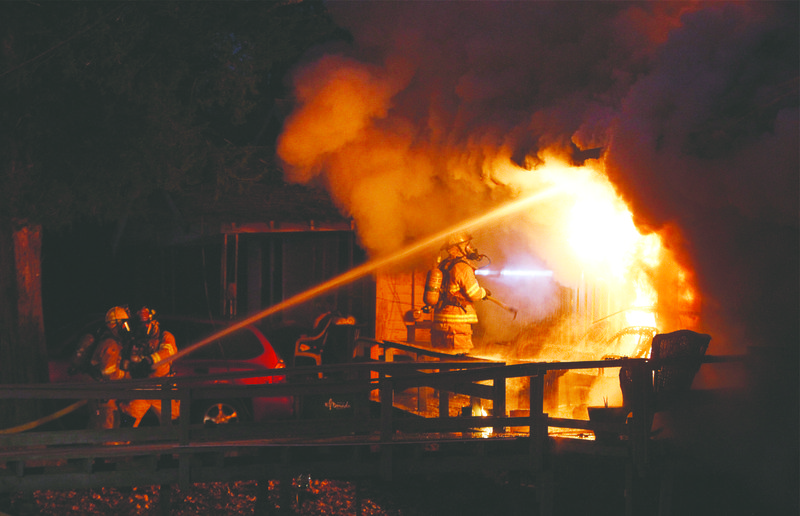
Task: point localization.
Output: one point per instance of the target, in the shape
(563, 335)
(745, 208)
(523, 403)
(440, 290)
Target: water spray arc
(373, 265)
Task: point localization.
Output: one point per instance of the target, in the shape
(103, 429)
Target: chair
(675, 359)
(313, 346)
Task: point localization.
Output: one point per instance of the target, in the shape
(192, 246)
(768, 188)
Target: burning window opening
(611, 289)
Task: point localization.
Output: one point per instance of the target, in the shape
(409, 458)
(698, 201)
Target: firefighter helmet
(117, 315)
(456, 239)
(147, 322)
(117, 319)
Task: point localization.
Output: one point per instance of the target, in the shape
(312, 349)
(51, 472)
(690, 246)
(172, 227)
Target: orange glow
(626, 285)
(596, 241)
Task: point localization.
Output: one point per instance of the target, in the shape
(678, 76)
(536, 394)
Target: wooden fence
(372, 437)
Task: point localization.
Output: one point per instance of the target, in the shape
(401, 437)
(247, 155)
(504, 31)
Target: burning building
(658, 158)
(660, 138)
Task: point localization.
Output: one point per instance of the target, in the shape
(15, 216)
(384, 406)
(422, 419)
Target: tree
(109, 105)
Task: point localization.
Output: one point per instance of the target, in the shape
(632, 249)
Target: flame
(624, 279)
(479, 411)
(600, 228)
(599, 242)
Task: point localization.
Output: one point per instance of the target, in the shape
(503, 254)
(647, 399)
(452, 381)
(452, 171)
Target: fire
(600, 228)
(594, 244)
(622, 280)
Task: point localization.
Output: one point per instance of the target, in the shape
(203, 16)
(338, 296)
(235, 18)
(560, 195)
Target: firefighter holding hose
(152, 344)
(454, 297)
(106, 359)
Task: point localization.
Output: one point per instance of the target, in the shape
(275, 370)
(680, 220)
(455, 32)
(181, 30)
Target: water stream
(371, 266)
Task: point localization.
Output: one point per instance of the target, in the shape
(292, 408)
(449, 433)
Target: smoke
(705, 149)
(438, 111)
(694, 105)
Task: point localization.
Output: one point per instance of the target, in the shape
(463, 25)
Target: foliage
(106, 103)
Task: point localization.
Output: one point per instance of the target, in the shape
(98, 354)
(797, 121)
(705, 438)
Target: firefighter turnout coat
(455, 314)
(106, 359)
(157, 348)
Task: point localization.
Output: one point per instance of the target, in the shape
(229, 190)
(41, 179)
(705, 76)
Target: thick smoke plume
(440, 110)
(692, 109)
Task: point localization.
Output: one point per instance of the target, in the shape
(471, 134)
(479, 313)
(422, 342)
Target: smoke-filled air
(670, 130)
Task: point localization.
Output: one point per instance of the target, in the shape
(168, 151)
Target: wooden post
(545, 484)
(499, 400)
(538, 422)
(166, 403)
(184, 411)
(444, 400)
(185, 470)
(387, 406)
(641, 387)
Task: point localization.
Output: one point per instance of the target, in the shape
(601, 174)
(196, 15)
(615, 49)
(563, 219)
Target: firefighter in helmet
(454, 313)
(106, 359)
(151, 345)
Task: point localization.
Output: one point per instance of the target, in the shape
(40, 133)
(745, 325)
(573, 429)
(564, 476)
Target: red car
(246, 349)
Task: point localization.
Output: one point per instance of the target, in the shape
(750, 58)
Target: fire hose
(502, 305)
(46, 419)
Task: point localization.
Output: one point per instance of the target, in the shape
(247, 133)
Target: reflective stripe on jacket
(460, 292)
(107, 357)
(163, 347)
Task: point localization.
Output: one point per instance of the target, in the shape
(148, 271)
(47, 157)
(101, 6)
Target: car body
(246, 349)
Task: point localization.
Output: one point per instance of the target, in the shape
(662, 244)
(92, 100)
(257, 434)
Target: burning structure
(666, 134)
(657, 157)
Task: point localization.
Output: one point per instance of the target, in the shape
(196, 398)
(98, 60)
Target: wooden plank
(499, 400)
(538, 423)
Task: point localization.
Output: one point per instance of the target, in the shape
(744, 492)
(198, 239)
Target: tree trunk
(23, 353)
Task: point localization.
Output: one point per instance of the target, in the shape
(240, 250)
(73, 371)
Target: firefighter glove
(488, 293)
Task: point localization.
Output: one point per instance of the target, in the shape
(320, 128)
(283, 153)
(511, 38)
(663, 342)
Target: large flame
(593, 246)
(626, 285)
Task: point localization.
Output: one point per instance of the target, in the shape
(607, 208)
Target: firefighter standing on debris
(454, 312)
(151, 345)
(106, 359)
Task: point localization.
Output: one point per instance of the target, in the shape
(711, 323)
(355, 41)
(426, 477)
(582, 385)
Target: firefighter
(151, 345)
(454, 313)
(106, 359)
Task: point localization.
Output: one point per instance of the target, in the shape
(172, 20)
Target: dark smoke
(694, 104)
(707, 141)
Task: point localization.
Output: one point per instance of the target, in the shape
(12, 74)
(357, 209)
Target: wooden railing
(371, 385)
